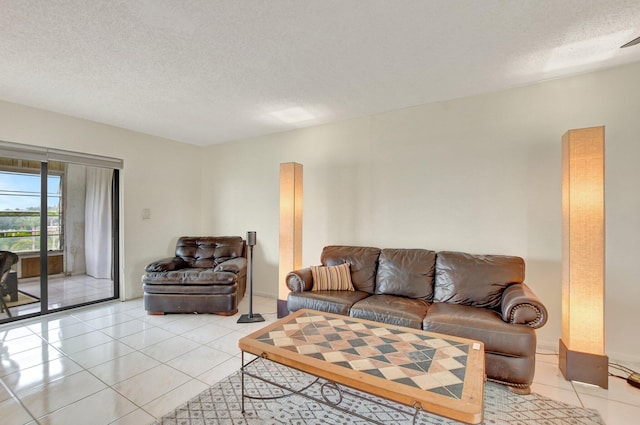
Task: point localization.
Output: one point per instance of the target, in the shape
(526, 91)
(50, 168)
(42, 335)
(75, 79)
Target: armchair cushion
(206, 252)
(332, 278)
(475, 280)
(190, 276)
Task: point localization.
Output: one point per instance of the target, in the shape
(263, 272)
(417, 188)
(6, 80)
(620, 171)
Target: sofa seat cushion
(391, 309)
(481, 324)
(338, 302)
(190, 289)
(190, 276)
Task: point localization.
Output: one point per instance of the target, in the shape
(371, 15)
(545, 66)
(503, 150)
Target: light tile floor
(111, 363)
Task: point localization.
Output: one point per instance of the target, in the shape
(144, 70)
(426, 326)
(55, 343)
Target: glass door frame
(43, 155)
(44, 234)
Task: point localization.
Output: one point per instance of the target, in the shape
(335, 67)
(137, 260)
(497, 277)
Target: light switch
(146, 214)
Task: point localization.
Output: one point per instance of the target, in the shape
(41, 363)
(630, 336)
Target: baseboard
(263, 294)
(546, 346)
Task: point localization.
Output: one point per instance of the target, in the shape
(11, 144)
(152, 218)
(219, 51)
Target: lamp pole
(250, 318)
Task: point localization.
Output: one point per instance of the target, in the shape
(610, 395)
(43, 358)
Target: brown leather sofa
(207, 275)
(482, 297)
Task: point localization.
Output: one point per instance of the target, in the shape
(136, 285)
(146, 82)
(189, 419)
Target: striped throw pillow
(332, 278)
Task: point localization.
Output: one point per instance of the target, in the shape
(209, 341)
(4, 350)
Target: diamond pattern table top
(406, 365)
(420, 360)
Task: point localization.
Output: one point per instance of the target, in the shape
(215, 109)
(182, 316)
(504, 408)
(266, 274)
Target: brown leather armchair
(207, 275)
(8, 281)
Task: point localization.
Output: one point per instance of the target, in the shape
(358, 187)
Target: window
(20, 211)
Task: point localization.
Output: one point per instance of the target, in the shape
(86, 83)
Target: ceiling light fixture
(584, 52)
(293, 115)
(631, 43)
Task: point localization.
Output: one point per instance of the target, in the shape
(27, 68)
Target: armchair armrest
(236, 265)
(300, 280)
(167, 265)
(520, 305)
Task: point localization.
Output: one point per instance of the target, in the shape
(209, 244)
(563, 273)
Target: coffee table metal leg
(325, 399)
(242, 380)
(324, 391)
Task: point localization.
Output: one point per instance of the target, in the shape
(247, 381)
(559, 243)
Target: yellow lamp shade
(290, 228)
(583, 249)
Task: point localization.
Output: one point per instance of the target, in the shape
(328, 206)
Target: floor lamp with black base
(251, 317)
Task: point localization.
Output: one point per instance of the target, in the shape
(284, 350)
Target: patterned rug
(315, 404)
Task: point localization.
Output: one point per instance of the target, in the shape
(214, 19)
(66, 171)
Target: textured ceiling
(205, 72)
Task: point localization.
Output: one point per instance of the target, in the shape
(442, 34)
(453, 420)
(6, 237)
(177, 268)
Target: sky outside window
(21, 191)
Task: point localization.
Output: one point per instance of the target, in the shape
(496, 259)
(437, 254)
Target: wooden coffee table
(437, 373)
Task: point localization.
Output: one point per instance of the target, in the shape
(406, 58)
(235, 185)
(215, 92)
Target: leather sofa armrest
(520, 305)
(300, 280)
(167, 265)
(236, 265)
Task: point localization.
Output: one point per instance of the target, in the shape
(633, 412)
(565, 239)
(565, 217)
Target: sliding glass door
(87, 239)
(60, 219)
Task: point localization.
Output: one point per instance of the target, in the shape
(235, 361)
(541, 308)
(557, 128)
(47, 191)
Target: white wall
(479, 174)
(158, 174)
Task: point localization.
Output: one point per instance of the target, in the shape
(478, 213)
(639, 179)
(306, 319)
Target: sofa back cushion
(475, 280)
(363, 262)
(406, 273)
(208, 251)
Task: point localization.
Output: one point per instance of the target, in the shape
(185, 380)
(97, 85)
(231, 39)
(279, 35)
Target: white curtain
(98, 222)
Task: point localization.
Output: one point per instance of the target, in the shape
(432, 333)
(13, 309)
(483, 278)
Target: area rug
(221, 405)
(22, 300)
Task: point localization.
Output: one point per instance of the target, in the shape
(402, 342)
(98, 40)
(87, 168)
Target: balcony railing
(23, 239)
